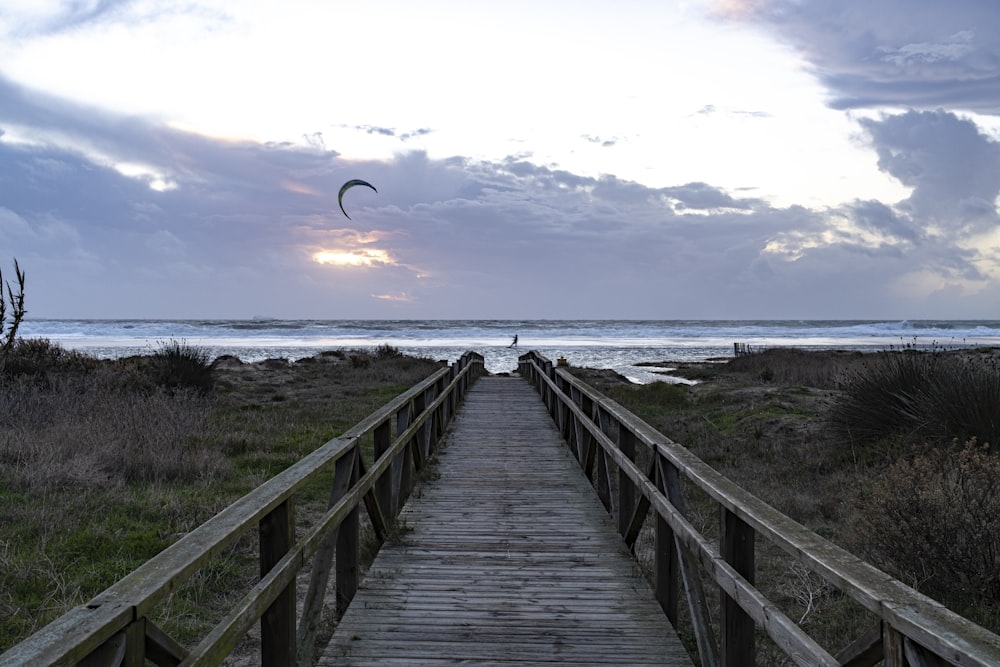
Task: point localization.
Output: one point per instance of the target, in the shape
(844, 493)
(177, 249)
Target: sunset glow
(364, 257)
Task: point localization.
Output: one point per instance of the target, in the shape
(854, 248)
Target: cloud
(876, 53)
(391, 131)
(606, 143)
(45, 18)
(240, 231)
(953, 168)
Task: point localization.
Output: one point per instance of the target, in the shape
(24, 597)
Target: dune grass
(787, 426)
(105, 463)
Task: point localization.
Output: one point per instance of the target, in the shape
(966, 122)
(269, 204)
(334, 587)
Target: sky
(677, 159)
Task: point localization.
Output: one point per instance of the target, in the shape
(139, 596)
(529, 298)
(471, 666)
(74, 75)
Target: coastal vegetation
(887, 454)
(10, 321)
(103, 463)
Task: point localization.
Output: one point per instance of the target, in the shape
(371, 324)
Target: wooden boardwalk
(507, 558)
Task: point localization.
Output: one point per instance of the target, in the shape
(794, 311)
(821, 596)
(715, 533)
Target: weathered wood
(737, 548)
(381, 440)
(508, 557)
(277, 625)
(109, 654)
(319, 577)
(701, 621)
(402, 471)
(796, 643)
(904, 610)
(917, 655)
(375, 515)
(348, 561)
(626, 487)
(638, 517)
(421, 447)
(892, 647)
(865, 651)
(666, 568)
(84, 629)
(161, 648)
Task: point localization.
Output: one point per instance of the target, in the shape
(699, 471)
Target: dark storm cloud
(912, 53)
(953, 168)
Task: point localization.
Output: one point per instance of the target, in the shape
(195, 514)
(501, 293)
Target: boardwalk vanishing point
(506, 558)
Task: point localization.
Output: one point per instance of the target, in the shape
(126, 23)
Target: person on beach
(514, 343)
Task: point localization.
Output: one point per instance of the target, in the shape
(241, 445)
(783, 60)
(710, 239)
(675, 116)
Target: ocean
(614, 344)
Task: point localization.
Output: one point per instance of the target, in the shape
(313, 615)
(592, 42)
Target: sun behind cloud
(363, 257)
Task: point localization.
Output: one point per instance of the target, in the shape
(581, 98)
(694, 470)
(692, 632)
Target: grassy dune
(886, 454)
(105, 463)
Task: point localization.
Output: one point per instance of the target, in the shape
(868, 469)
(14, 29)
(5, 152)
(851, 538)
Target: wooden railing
(912, 630)
(115, 629)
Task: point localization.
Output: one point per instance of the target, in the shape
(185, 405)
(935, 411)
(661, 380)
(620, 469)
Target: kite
(347, 186)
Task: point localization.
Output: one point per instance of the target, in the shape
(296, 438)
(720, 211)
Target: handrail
(913, 629)
(113, 628)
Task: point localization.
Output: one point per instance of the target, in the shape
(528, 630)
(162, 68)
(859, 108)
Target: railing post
(382, 437)
(588, 444)
(349, 547)
(454, 396)
(701, 623)
(421, 443)
(550, 400)
(319, 577)
(603, 475)
(403, 465)
(737, 549)
(666, 571)
(626, 487)
(135, 644)
(442, 418)
(894, 653)
(277, 625)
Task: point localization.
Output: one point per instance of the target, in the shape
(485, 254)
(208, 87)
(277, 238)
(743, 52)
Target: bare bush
(934, 520)
(797, 367)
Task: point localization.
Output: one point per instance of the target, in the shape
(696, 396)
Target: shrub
(386, 351)
(934, 520)
(39, 357)
(178, 365)
(795, 366)
(360, 360)
(940, 396)
(9, 322)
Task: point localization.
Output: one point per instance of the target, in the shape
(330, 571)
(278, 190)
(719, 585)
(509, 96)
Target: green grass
(764, 421)
(102, 468)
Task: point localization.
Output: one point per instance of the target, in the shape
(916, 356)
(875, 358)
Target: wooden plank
(507, 557)
(916, 616)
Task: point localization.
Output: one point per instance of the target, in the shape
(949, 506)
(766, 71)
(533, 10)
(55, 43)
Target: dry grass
(933, 519)
(87, 431)
(763, 420)
(104, 464)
